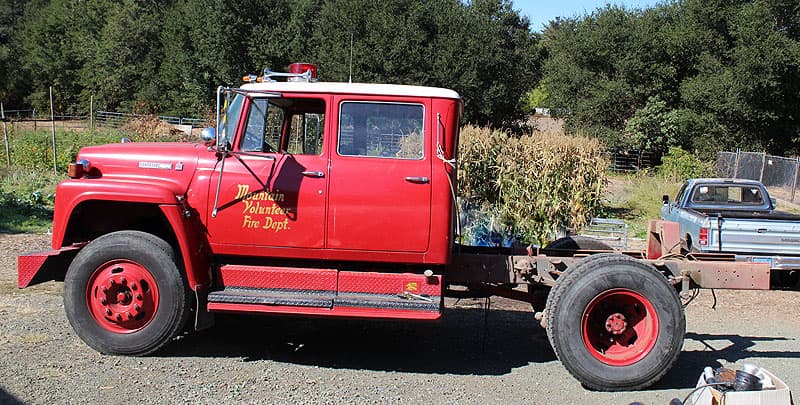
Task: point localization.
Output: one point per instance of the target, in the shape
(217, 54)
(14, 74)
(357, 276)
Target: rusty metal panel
(486, 268)
(727, 275)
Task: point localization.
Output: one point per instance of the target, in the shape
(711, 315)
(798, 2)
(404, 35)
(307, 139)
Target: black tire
(577, 242)
(133, 277)
(574, 242)
(582, 306)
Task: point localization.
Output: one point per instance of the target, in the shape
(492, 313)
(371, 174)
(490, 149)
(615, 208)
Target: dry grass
(537, 183)
(151, 129)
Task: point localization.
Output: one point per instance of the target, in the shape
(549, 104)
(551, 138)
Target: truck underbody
(618, 326)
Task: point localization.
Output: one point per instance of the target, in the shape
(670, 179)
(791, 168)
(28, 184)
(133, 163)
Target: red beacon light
(298, 72)
(303, 69)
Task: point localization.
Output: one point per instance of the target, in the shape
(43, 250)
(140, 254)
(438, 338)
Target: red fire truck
(338, 199)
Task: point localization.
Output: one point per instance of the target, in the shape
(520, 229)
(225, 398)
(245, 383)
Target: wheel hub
(616, 324)
(122, 296)
(620, 327)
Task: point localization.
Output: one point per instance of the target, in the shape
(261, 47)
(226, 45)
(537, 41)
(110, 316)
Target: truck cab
(336, 171)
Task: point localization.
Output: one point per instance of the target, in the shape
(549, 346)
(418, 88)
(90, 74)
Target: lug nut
(139, 297)
(123, 281)
(108, 311)
(119, 317)
(133, 286)
(103, 301)
(130, 315)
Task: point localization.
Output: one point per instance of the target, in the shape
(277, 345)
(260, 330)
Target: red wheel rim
(122, 296)
(620, 327)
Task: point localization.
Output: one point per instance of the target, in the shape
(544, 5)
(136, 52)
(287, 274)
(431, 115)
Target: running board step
(233, 295)
(324, 299)
(328, 292)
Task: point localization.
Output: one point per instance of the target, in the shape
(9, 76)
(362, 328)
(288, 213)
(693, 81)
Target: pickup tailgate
(758, 236)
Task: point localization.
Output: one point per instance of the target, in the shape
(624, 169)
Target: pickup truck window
(725, 194)
(387, 130)
(679, 197)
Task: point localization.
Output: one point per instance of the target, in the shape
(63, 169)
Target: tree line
(703, 75)
(168, 56)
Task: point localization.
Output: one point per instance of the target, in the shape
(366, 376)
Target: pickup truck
(732, 216)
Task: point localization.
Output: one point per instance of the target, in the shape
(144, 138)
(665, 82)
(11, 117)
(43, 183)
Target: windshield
(230, 119)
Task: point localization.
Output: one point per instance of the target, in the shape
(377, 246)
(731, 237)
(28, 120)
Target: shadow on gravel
(463, 342)
(8, 399)
(691, 363)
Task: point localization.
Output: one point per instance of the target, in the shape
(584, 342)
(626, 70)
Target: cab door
(380, 175)
(274, 181)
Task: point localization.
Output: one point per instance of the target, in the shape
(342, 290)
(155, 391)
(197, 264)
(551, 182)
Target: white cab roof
(354, 88)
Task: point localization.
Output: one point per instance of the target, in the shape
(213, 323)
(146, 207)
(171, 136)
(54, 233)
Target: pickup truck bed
(776, 215)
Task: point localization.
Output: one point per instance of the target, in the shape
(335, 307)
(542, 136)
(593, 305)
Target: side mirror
(665, 199)
(208, 135)
(773, 201)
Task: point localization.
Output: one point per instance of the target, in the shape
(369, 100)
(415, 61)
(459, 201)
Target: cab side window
(305, 133)
(287, 125)
(386, 130)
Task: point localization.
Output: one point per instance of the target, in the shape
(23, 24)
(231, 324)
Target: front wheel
(615, 323)
(124, 294)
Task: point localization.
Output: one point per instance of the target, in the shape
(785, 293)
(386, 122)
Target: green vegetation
(27, 189)
(678, 165)
(529, 186)
(169, 56)
(636, 199)
(704, 76)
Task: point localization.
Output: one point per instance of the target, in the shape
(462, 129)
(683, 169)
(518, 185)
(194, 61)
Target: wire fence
(779, 174)
(31, 119)
(107, 119)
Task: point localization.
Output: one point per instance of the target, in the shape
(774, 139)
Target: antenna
(350, 80)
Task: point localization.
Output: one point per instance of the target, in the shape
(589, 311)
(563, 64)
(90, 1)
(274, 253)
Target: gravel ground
(465, 358)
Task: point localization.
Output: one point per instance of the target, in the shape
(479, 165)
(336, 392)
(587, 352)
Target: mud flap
(38, 267)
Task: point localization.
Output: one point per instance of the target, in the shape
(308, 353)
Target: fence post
(796, 173)
(763, 166)
(736, 165)
(91, 111)
(34, 120)
(5, 134)
(53, 127)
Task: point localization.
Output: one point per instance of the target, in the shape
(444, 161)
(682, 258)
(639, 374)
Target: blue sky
(542, 11)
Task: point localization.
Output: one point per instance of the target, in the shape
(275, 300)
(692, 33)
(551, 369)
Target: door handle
(418, 180)
(313, 174)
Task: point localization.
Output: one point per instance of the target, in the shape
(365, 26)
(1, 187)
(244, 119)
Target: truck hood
(169, 164)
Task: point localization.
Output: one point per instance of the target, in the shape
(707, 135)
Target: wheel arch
(91, 219)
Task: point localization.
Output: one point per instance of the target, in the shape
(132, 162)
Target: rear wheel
(124, 294)
(575, 242)
(615, 323)
(578, 242)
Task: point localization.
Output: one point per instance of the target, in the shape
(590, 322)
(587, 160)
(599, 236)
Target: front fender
(71, 193)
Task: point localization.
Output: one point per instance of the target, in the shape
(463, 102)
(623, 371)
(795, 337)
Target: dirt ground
(467, 357)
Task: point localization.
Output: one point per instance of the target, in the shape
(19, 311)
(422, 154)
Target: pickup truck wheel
(615, 323)
(124, 294)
